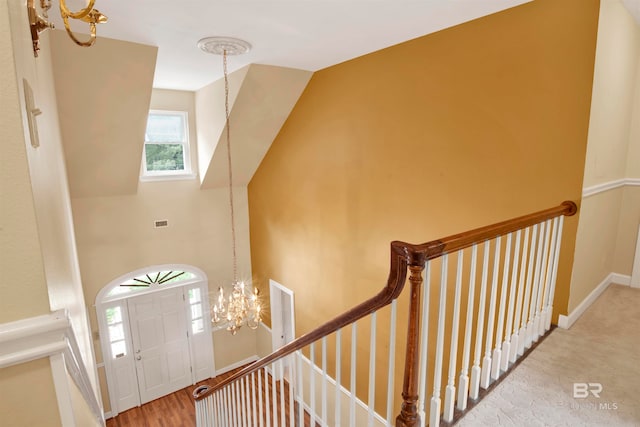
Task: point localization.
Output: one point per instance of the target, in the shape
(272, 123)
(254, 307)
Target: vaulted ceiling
(104, 91)
(308, 35)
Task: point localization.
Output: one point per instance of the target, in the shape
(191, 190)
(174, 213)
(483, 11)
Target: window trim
(187, 173)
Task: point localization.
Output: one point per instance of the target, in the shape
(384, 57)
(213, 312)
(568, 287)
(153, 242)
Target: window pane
(118, 349)
(196, 311)
(165, 128)
(164, 157)
(116, 332)
(114, 315)
(194, 295)
(197, 326)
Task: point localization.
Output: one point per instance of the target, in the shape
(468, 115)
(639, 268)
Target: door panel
(160, 342)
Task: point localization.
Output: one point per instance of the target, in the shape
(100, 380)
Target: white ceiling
(634, 8)
(305, 34)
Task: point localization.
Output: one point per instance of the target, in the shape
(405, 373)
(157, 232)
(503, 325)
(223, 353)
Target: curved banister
(402, 256)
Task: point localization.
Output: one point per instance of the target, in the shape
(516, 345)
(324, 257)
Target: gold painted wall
(459, 129)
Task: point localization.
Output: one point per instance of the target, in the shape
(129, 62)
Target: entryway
(282, 319)
(155, 333)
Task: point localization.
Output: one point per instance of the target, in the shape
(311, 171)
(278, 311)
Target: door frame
(635, 273)
(104, 301)
(276, 292)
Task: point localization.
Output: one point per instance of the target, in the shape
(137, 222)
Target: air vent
(159, 223)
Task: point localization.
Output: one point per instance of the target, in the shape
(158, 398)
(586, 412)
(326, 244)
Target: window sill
(171, 177)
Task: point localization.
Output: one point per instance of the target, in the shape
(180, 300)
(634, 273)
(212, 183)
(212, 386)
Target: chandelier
(242, 306)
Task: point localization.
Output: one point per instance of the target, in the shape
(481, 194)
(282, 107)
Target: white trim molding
(565, 322)
(610, 185)
(51, 336)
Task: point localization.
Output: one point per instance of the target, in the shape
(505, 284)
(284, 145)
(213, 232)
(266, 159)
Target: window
(166, 145)
(197, 318)
(116, 332)
(151, 279)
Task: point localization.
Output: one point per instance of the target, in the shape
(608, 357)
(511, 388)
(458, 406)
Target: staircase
(477, 301)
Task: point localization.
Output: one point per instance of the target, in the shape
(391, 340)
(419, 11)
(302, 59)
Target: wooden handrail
(403, 255)
(419, 254)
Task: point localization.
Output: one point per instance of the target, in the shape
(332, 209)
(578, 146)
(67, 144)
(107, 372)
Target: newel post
(409, 412)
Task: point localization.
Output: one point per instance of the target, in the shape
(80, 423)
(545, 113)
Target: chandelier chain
(228, 131)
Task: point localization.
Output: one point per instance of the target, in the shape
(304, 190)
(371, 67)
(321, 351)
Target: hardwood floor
(178, 409)
(174, 410)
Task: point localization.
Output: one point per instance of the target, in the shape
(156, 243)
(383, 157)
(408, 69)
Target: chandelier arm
(92, 36)
(64, 10)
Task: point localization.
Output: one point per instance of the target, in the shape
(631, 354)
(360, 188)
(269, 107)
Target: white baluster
(243, 400)
(237, 387)
(554, 273)
(536, 285)
(234, 404)
(506, 345)
(392, 362)
(253, 399)
(475, 370)
(292, 381)
(522, 335)
(515, 337)
(352, 394)
(548, 276)
(544, 274)
(424, 342)
(463, 382)
(267, 405)
(283, 418)
(312, 383)
(260, 397)
(434, 411)
(486, 362)
(225, 406)
(450, 392)
(338, 398)
(300, 389)
(497, 352)
(372, 368)
(324, 380)
(274, 395)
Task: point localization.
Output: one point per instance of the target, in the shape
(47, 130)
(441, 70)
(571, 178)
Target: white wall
(609, 219)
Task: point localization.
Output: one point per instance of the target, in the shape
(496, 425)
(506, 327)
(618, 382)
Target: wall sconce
(39, 23)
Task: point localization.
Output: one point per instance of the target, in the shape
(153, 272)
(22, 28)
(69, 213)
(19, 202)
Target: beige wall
(38, 249)
(116, 235)
(103, 99)
(20, 257)
(608, 225)
(455, 130)
(28, 395)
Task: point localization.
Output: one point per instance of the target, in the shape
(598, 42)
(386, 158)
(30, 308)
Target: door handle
(139, 358)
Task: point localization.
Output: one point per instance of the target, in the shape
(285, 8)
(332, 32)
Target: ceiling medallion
(218, 45)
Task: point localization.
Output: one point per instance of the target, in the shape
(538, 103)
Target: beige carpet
(603, 346)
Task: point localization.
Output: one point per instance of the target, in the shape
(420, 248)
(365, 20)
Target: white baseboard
(108, 415)
(620, 279)
(236, 365)
(565, 322)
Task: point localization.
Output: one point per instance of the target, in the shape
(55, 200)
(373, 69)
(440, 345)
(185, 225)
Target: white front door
(160, 343)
